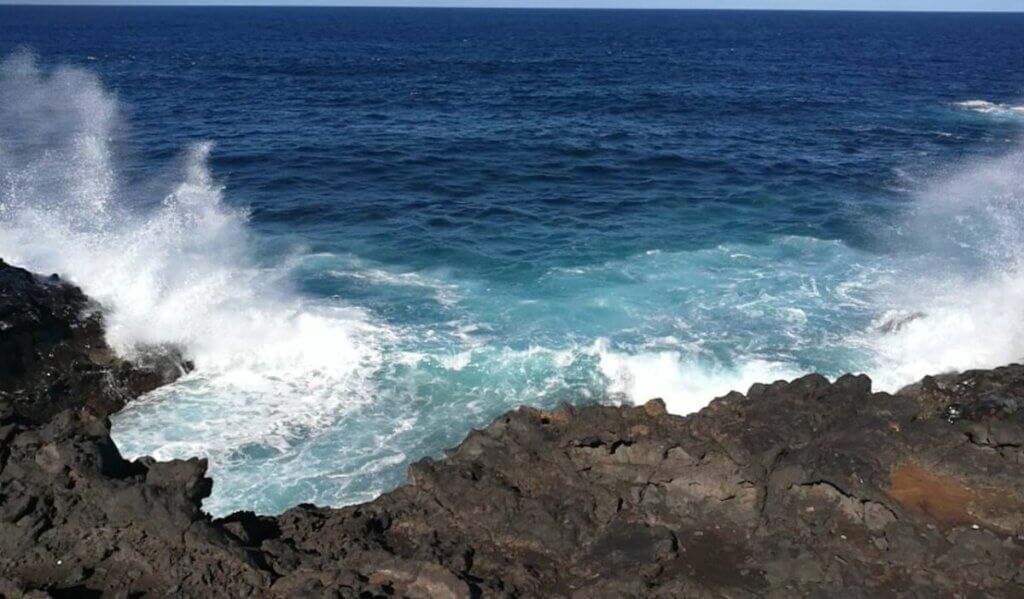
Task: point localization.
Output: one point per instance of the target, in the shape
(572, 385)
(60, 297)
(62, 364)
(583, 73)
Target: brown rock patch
(942, 498)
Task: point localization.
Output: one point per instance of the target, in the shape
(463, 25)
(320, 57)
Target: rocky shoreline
(801, 488)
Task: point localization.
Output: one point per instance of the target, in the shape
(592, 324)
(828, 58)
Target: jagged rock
(53, 354)
(801, 488)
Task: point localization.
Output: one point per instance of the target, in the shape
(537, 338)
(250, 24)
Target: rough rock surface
(802, 488)
(53, 355)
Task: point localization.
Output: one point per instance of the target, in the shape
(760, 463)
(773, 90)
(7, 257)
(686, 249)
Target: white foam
(968, 324)
(986, 107)
(443, 293)
(681, 378)
(965, 275)
(457, 361)
(685, 384)
(172, 269)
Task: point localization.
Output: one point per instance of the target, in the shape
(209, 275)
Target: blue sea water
(374, 229)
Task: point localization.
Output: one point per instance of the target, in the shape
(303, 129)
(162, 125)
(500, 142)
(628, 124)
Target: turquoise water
(373, 230)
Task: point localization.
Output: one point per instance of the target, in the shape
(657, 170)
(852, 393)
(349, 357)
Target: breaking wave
(304, 397)
(957, 290)
(171, 268)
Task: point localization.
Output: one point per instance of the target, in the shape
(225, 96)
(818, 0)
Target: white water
(275, 369)
(966, 276)
(685, 386)
(993, 108)
(171, 269)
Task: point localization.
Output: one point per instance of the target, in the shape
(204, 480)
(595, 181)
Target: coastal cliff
(801, 488)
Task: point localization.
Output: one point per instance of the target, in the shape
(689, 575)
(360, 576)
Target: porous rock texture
(802, 488)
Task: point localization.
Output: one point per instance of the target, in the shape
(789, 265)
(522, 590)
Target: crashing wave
(173, 268)
(963, 267)
(286, 383)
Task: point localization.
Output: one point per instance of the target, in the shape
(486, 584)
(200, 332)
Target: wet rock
(897, 322)
(53, 354)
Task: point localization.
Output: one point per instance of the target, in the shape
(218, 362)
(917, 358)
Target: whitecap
(993, 108)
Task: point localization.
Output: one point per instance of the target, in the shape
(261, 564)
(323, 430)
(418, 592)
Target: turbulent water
(375, 229)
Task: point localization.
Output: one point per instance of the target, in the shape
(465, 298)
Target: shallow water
(375, 229)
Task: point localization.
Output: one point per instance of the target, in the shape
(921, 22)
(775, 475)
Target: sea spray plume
(176, 268)
(966, 274)
(54, 138)
(974, 217)
(64, 211)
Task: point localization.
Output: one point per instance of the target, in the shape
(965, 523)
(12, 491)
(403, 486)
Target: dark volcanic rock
(53, 354)
(805, 488)
(795, 489)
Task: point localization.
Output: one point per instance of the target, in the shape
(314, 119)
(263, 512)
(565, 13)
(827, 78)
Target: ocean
(373, 230)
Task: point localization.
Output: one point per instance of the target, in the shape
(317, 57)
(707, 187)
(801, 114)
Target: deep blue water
(412, 220)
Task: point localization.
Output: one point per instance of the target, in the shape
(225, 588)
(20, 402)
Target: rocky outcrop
(53, 355)
(802, 488)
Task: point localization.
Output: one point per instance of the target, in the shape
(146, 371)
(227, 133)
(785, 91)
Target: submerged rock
(795, 488)
(896, 323)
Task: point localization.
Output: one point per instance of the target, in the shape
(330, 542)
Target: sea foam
(962, 271)
(171, 268)
(992, 108)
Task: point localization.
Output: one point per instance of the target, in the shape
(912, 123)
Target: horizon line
(327, 4)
